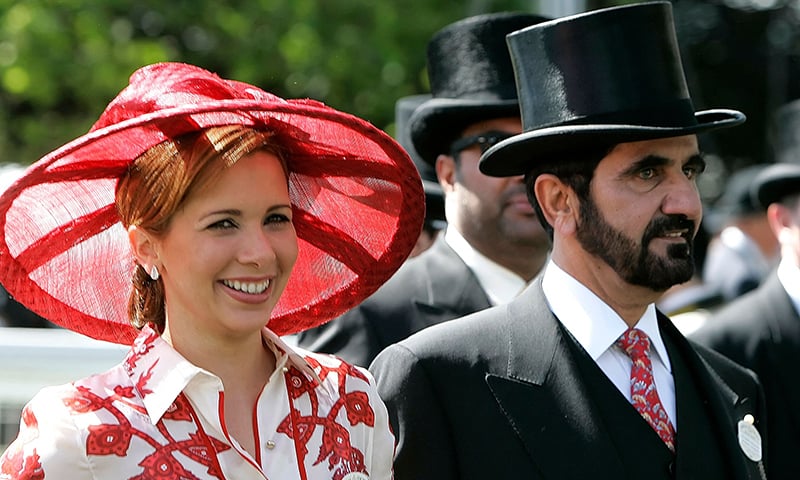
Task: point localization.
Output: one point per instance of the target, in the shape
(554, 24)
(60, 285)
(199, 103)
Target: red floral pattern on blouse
(177, 445)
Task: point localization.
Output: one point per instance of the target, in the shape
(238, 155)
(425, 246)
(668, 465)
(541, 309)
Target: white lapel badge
(749, 438)
(355, 476)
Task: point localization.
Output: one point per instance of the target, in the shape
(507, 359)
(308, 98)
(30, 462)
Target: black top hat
(471, 79)
(434, 195)
(597, 79)
(736, 200)
(776, 183)
(786, 133)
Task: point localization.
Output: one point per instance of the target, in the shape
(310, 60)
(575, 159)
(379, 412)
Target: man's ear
(558, 202)
(143, 247)
(780, 221)
(446, 172)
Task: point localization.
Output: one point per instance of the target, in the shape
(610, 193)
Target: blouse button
(285, 369)
(270, 444)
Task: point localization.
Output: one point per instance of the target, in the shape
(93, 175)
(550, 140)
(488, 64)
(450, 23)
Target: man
(761, 330)
(493, 244)
(743, 249)
(539, 388)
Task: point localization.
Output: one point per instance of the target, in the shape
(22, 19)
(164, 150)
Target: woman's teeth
(247, 287)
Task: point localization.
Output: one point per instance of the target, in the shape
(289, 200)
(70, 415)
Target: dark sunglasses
(484, 140)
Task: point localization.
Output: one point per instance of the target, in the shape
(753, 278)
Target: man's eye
(647, 173)
(691, 172)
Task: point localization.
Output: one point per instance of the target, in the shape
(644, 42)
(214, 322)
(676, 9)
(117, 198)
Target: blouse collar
(159, 373)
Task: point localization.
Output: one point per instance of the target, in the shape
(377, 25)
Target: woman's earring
(154, 272)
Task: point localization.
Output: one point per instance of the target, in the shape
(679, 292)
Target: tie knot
(635, 343)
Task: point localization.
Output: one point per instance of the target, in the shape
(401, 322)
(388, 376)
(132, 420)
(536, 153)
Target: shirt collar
(159, 373)
(594, 324)
(789, 276)
(500, 284)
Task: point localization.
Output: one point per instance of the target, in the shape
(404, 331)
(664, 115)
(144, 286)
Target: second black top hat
(597, 79)
(471, 79)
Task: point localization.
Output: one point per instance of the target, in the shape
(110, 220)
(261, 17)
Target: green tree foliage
(62, 61)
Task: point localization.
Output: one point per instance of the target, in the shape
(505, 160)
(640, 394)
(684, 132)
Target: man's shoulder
(473, 338)
(740, 320)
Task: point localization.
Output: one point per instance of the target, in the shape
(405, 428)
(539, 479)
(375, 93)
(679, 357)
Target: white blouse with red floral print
(157, 416)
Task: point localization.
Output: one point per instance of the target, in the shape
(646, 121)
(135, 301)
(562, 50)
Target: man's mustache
(659, 226)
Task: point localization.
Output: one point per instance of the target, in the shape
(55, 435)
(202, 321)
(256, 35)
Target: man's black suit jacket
(502, 394)
(431, 288)
(761, 331)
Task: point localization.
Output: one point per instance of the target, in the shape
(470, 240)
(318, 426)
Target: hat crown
(786, 133)
(469, 59)
(403, 109)
(775, 183)
(171, 85)
(619, 65)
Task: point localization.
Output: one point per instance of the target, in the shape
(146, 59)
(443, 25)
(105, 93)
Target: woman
(230, 209)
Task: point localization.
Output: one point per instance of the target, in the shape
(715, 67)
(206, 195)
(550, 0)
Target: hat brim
(356, 195)
(437, 122)
(516, 155)
(775, 183)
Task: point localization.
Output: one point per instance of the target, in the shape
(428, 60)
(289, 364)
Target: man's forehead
(675, 149)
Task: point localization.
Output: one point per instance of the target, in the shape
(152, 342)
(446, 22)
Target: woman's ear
(558, 203)
(143, 247)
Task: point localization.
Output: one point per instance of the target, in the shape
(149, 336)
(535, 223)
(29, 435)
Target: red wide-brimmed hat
(357, 199)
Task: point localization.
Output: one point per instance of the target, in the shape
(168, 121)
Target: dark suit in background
(431, 288)
(761, 330)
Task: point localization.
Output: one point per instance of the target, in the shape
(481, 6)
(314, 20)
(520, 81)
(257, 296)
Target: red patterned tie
(644, 396)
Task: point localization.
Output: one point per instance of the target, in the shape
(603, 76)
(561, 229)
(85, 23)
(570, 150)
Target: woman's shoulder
(326, 363)
(335, 375)
(70, 396)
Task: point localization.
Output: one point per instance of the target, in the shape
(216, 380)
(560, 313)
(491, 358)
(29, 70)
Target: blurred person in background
(761, 330)
(742, 249)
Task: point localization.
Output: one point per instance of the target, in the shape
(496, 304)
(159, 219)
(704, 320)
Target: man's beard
(638, 266)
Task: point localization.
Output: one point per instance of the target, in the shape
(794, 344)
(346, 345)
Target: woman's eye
(277, 218)
(222, 225)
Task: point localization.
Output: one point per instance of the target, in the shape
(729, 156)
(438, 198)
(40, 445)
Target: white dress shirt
(500, 284)
(789, 276)
(596, 327)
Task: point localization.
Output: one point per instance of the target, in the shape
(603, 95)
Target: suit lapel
(719, 408)
(544, 399)
(450, 290)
